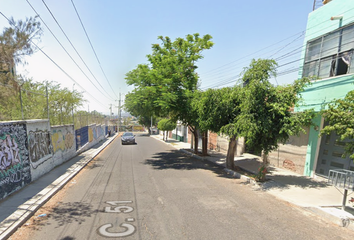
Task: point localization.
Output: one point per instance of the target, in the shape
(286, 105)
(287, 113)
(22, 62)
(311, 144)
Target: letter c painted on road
(103, 230)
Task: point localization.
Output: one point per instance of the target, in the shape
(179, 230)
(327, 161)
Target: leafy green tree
(167, 84)
(340, 118)
(217, 110)
(265, 118)
(166, 125)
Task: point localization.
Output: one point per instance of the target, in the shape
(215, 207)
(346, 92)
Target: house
(328, 55)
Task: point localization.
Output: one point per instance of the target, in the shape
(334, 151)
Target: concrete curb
(28, 209)
(334, 215)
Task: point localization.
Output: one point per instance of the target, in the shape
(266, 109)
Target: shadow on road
(66, 213)
(177, 160)
(275, 180)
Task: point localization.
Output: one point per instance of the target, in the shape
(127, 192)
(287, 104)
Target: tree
(166, 125)
(166, 86)
(16, 42)
(217, 109)
(340, 118)
(265, 118)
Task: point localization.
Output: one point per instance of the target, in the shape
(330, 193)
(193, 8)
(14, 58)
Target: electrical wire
(72, 79)
(77, 13)
(64, 48)
(219, 69)
(290, 62)
(74, 48)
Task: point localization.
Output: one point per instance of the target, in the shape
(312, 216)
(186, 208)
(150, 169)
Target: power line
(74, 47)
(92, 47)
(55, 63)
(219, 69)
(64, 48)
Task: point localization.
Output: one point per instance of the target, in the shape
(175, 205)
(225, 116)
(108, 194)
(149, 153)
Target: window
(330, 55)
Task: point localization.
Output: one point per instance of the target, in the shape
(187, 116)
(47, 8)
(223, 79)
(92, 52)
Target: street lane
(157, 192)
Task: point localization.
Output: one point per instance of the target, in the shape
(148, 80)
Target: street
(149, 190)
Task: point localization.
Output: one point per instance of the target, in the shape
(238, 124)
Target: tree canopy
(266, 118)
(340, 119)
(166, 85)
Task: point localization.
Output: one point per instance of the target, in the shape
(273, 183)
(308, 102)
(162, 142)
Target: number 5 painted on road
(103, 230)
(120, 209)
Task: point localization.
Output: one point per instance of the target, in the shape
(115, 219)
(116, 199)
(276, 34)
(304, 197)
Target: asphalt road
(151, 191)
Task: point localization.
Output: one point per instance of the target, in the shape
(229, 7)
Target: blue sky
(122, 32)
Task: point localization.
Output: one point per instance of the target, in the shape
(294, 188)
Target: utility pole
(21, 103)
(110, 112)
(73, 108)
(119, 112)
(46, 93)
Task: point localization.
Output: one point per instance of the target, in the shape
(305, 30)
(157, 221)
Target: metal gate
(330, 155)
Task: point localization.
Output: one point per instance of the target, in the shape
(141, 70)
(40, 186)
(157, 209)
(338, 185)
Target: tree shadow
(175, 159)
(284, 182)
(66, 213)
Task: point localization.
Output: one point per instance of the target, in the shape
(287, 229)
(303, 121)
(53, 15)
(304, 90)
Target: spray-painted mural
(15, 171)
(62, 139)
(40, 147)
(90, 134)
(58, 141)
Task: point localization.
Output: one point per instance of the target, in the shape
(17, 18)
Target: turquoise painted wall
(319, 22)
(321, 92)
(312, 147)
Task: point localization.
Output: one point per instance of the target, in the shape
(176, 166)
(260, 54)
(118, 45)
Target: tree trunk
(264, 165)
(163, 136)
(205, 144)
(265, 159)
(231, 153)
(195, 141)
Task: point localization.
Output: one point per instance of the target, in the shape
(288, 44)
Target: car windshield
(127, 134)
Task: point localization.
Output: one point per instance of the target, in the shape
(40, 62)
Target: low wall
(64, 143)
(40, 147)
(15, 170)
(32, 148)
(95, 135)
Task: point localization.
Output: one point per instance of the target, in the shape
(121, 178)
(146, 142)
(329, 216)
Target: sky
(122, 32)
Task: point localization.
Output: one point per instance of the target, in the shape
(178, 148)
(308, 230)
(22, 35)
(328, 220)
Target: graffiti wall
(15, 171)
(64, 143)
(39, 147)
(94, 134)
(30, 149)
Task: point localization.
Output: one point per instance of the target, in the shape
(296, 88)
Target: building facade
(327, 55)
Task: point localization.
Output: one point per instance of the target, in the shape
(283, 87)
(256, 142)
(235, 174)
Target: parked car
(128, 137)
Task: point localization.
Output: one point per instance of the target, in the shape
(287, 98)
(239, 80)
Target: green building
(327, 54)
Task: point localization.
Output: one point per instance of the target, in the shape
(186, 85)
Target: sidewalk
(313, 195)
(21, 205)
